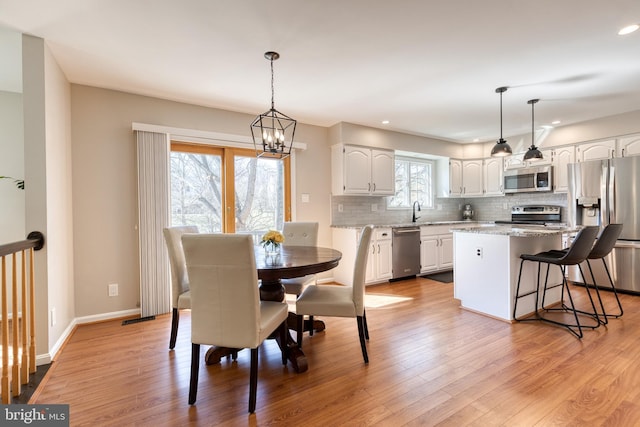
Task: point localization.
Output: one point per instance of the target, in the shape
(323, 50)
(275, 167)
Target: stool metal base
(575, 328)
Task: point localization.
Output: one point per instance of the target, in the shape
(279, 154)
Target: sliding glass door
(221, 189)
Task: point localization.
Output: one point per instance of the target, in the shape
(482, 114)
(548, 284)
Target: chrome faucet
(414, 218)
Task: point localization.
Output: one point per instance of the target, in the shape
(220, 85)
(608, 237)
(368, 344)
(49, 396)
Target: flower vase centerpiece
(271, 242)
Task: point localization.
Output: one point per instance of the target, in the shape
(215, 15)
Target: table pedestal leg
(215, 354)
(272, 290)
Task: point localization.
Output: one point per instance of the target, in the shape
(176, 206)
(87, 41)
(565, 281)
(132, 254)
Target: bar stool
(604, 245)
(575, 255)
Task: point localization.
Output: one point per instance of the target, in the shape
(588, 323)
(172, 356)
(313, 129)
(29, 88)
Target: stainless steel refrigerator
(605, 192)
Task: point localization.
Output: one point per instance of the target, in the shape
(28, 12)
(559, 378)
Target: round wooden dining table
(290, 262)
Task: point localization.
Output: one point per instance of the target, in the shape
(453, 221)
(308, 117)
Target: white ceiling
(430, 67)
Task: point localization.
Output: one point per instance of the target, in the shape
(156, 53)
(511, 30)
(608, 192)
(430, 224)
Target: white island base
(486, 267)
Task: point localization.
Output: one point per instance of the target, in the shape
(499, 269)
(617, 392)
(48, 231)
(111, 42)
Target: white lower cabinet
(379, 261)
(436, 248)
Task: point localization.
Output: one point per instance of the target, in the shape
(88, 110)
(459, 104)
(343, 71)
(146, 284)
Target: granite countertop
(516, 230)
(419, 224)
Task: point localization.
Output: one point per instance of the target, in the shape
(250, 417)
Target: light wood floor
(431, 363)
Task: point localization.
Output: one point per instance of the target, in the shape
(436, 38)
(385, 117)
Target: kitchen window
(413, 182)
(228, 190)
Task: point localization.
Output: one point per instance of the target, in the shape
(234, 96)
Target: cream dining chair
(342, 301)
(226, 309)
(180, 295)
(299, 234)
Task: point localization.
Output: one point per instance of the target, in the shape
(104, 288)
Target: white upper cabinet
(383, 172)
(362, 170)
(514, 161)
(492, 179)
(562, 156)
(598, 150)
(517, 161)
(472, 178)
(455, 177)
(629, 146)
(547, 159)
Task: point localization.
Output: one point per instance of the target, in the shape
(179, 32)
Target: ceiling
(430, 67)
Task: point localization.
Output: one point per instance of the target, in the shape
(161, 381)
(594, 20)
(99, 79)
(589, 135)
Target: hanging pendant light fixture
(272, 131)
(501, 149)
(533, 153)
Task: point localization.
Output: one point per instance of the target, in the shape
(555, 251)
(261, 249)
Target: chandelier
(272, 131)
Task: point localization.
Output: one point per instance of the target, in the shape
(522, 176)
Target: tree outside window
(413, 182)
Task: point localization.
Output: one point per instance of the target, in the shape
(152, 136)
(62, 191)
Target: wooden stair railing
(19, 356)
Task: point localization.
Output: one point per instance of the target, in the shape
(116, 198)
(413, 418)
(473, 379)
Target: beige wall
(59, 200)
(47, 151)
(104, 185)
(11, 164)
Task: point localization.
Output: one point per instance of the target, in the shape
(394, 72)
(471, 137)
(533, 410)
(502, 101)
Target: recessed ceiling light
(476, 139)
(385, 122)
(628, 29)
(556, 122)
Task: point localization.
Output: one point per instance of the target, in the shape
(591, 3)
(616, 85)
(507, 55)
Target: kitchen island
(487, 263)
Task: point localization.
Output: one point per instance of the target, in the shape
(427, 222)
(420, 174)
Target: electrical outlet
(113, 290)
(374, 207)
(479, 252)
(340, 207)
(53, 317)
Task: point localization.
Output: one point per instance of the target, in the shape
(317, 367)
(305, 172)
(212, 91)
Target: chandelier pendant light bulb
(533, 153)
(501, 149)
(272, 131)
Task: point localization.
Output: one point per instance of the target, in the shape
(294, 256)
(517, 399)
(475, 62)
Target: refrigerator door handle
(611, 202)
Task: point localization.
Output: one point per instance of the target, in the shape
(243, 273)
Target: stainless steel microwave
(528, 179)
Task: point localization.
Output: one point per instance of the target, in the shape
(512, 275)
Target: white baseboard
(43, 359)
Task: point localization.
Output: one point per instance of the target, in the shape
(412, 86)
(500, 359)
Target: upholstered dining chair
(226, 309)
(180, 295)
(299, 234)
(342, 301)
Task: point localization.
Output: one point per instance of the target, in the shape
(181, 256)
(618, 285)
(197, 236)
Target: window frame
(227, 178)
(432, 171)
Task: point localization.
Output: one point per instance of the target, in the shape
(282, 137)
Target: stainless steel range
(534, 215)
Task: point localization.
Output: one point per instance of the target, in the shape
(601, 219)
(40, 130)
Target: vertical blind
(153, 215)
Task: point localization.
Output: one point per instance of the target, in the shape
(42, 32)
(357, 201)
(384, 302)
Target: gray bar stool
(604, 245)
(575, 255)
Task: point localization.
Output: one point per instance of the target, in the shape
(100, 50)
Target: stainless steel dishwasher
(406, 252)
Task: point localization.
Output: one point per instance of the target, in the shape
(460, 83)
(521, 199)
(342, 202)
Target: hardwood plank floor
(431, 363)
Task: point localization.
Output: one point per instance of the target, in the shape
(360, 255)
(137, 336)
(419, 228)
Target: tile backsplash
(359, 210)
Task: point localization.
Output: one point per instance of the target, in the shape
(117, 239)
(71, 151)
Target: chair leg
(310, 326)
(593, 313)
(613, 287)
(366, 327)
(253, 380)
(518, 296)
(363, 345)
(175, 319)
(604, 320)
(195, 367)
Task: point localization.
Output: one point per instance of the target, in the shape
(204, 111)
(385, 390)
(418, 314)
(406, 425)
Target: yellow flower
(272, 237)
